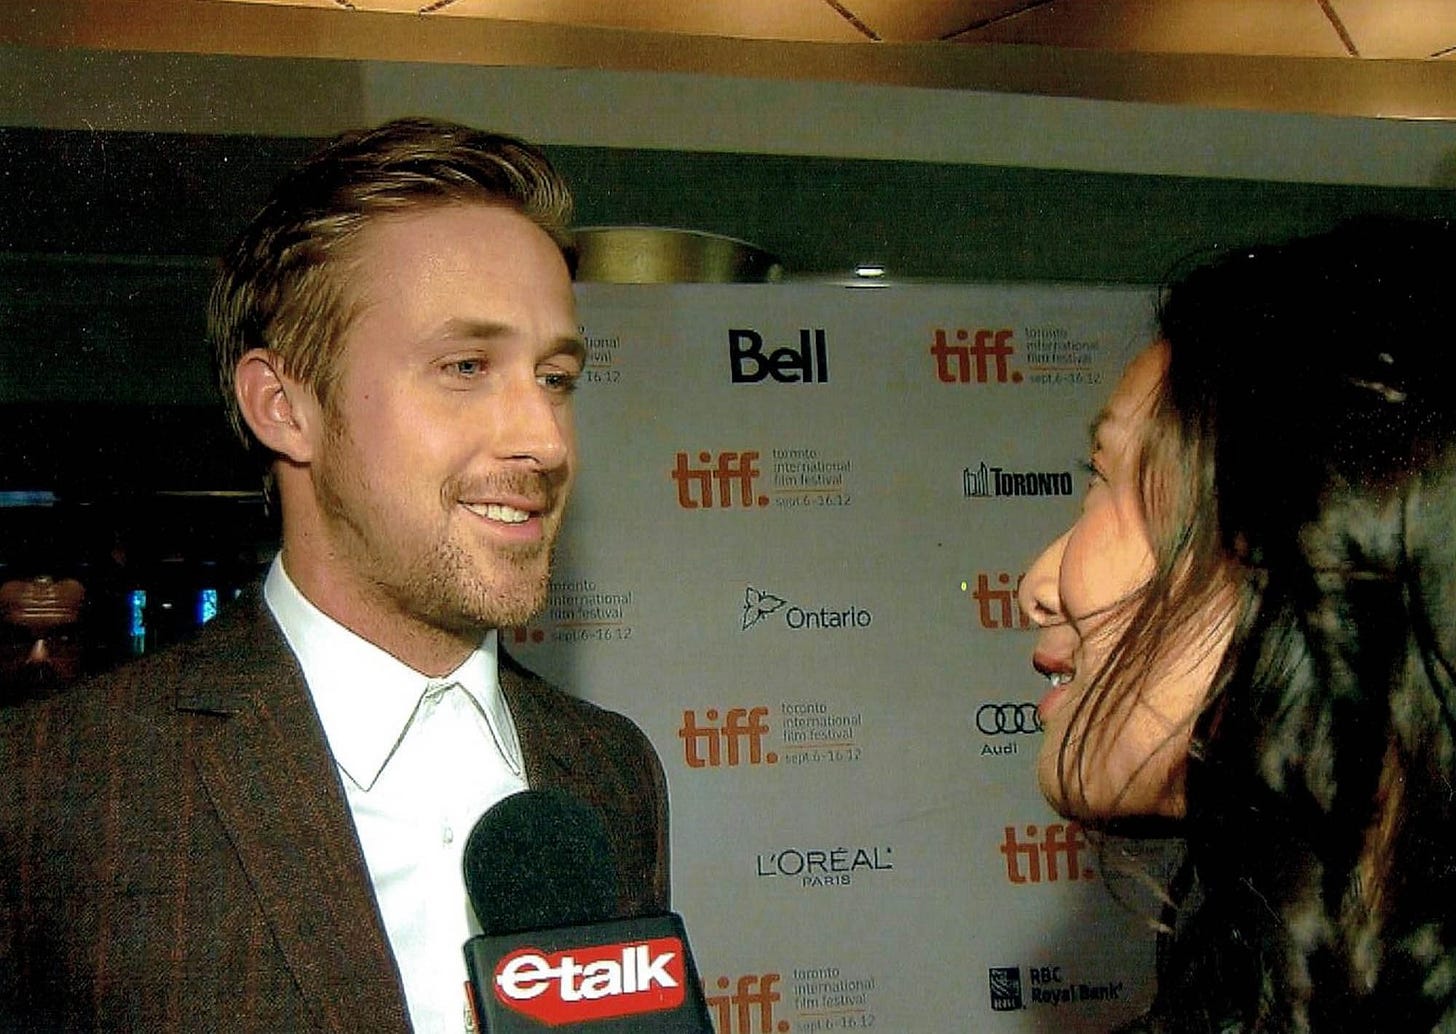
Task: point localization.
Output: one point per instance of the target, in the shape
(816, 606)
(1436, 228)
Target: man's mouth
(498, 512)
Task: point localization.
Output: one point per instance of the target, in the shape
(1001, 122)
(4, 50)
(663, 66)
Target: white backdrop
(794, 569)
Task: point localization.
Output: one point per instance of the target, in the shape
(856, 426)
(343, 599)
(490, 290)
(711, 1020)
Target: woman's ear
(281, 411)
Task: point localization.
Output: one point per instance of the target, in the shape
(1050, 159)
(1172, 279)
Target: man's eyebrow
(463, 329)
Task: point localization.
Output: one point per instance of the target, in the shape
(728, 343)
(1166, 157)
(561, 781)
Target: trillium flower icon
(759, 605)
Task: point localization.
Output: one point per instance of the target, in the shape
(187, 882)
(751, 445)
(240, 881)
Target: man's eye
(466, 367)
(558, 381)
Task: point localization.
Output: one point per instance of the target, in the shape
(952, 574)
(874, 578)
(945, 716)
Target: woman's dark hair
(1311, 388)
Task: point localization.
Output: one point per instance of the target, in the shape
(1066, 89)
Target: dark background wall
(108, 238)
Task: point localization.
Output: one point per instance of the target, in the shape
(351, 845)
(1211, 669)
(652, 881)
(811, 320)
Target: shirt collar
(365, 696)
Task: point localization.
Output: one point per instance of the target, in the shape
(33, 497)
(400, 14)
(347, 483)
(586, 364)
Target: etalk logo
(592, 983)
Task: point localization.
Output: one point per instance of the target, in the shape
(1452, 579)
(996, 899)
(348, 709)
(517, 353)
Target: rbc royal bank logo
(975, 357)
(1050, 985)
(1006, 989)
(807, 364)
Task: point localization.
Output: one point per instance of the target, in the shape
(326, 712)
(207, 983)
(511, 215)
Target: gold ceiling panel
(1403, 29)
(899, 21)
(741, 19)
(1159, 51)
(1400, 28)
(1293, 28)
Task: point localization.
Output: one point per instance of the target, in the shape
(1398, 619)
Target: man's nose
(535, 427)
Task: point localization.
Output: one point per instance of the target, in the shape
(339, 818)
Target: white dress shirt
(420, 759)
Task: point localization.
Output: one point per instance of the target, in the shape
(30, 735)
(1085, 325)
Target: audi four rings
(1007, 719)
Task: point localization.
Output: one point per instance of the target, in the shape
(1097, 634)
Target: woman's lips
(1058, 671)
(1053, 696)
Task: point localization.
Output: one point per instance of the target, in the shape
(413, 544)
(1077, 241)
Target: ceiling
(1370, 29)
(1388, 59)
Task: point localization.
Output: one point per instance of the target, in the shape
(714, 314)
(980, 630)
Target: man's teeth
(1058, 678)
(504, 514)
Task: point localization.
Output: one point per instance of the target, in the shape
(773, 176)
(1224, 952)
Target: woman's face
(1128, 757)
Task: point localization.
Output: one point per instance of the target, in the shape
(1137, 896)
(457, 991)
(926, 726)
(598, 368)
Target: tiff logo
(1040, 851)
(728, 471)
(712, 745)
(749, 1008)
(996, 607)
(809, 364)
(984, 360)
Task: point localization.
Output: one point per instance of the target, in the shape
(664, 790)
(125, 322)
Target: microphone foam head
(539, 859)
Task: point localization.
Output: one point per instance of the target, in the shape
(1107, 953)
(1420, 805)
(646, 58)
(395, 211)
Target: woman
(1251, 628)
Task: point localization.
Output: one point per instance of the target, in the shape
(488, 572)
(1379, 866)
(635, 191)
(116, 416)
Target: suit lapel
(265, 763)
(547, 765)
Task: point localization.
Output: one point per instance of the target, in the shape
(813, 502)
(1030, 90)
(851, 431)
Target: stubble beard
(429, 578)
(445, 588)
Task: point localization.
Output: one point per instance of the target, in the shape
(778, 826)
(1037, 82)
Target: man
(40, 641)
(262, 829)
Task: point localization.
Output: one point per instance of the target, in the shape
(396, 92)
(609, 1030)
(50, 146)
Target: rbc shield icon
(1006, 988)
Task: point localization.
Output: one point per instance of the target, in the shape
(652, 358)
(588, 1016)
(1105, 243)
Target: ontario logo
(760, 605)
(987, 482)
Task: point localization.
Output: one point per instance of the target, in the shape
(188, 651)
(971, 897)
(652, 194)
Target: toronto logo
(987, 482)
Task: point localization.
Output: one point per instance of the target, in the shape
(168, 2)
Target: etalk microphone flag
(553, 955)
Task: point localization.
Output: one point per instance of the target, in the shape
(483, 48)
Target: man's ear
(281, 411)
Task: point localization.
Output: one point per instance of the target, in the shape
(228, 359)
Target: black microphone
(553, 955)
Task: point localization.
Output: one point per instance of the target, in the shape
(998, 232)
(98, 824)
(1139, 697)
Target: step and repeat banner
(793, 554)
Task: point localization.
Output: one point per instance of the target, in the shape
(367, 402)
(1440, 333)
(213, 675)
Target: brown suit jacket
(176, 853)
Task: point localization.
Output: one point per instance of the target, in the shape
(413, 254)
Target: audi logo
(1007, 719)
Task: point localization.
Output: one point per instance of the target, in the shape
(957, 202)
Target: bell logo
(996, 606)
(724, 744)
(593, 983)
(729, 470)
(808, 364)
(983, 359)
(1040, 851)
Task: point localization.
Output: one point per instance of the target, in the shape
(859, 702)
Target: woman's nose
(1039, 596)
